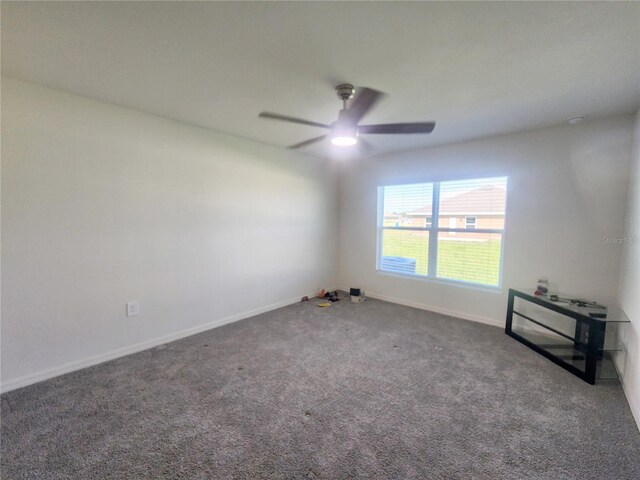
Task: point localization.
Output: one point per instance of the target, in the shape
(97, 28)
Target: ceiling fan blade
(285, 118)
(307, 142)
(364, 102)
(417, 127)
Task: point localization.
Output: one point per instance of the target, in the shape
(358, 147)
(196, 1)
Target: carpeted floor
(373, 390)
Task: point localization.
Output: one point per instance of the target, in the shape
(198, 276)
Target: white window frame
(467, 224)
(433, 239)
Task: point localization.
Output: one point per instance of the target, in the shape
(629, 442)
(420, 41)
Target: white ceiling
(478, 69)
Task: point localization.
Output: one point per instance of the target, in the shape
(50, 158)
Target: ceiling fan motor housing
(345, 91)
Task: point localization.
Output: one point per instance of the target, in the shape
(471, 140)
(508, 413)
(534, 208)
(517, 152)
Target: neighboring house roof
(488, 200)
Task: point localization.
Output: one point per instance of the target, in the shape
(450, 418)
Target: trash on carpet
(324, 304)
(331, 296)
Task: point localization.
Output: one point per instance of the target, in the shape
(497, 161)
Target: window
(470, 223)
(424, 229)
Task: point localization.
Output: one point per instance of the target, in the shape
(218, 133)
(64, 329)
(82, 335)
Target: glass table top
(574, 304)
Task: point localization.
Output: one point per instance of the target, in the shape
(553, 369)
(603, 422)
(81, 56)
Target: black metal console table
(572, 336)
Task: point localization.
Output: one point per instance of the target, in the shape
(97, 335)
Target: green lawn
(470, 261)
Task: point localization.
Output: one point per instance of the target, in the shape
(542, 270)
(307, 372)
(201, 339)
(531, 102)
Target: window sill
(443, 281)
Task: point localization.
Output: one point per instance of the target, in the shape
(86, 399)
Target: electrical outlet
(133, 308)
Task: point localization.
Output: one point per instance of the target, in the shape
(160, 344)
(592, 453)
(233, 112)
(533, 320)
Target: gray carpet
(373, 390)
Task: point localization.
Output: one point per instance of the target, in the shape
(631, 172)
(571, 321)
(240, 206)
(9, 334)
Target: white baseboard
(138, 347)
(634, 402)
(431, 308)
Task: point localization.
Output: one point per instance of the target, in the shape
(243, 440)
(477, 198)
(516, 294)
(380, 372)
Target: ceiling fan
(346, 131)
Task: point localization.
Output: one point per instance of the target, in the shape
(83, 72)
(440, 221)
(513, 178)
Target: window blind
(451, 230)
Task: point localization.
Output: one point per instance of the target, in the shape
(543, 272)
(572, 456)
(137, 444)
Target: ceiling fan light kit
(344, 141)
(344, 132)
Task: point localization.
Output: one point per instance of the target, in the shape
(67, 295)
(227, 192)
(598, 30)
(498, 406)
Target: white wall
(630, 282)
(102, 204)
(566, 192)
